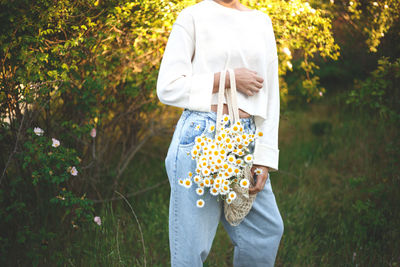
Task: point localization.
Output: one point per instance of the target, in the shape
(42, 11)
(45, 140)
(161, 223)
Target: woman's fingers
(254, 89)
(248, 81)
(259, 79)
(261, 180)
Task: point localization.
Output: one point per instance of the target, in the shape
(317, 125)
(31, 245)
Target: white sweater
(206, 38)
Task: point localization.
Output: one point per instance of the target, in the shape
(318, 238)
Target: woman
(206, 38)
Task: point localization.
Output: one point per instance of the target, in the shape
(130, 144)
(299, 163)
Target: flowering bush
(221, 161)
(52, 165)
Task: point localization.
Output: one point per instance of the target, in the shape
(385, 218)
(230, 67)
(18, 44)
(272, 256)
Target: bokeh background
(85, 73)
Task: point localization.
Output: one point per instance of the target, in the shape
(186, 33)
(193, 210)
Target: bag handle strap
(220, 101)
(231, 98)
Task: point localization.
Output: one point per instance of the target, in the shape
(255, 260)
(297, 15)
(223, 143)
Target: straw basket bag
(236, 211)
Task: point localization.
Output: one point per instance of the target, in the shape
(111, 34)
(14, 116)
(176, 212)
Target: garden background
(97, 194)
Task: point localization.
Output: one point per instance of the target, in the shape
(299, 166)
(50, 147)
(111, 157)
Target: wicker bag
(236, 211)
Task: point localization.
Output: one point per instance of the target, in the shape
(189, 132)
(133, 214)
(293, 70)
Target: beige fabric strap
(233, 95)
(220, 101)
(231, 98)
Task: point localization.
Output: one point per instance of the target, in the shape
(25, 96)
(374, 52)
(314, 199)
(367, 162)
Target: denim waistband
(213, 115)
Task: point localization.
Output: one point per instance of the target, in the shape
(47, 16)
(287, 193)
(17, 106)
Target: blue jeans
(192, 229)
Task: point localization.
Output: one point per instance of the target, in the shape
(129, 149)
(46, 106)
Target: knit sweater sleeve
(177, 85)
(266, 150)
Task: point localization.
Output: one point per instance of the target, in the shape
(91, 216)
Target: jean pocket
(191, 129)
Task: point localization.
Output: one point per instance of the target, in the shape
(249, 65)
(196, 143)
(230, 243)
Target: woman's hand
(247, 81)
(261, 179)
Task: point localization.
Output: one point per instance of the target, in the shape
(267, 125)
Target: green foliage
(375, 18)
(370, 19)
(44, 179)
(337, 192)
(379, 93)
(303, 33)
(321, 128)
(72, 67)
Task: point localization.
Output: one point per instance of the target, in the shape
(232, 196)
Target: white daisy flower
(214, 191)
(187, 183)
(225, 166)
(200, 203)
(230, 170)
(206, 172)
(217, 186)
(228, 200)
(244, 183)
(236, 171)
(225, 118)
(198, 140)
(181, 182)
(38, 131)
(225, 188)
(211, 182)
(231, 158)
(238, 140)
(200, 191)
(230, 147)
(248, 158)
(232, 195)
(56, 143)
(197, 179)
(235, 127)
(211, 128)
(215, 152)
(258, 171)
(207, 182)
(194, 152)
(197, 128)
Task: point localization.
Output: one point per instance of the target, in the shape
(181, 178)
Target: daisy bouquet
(220, 161)
(223, 162)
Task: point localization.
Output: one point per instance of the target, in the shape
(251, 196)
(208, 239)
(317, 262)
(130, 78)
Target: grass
(336, 190)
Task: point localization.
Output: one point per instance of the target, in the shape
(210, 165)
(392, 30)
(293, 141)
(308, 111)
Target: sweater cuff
(201, 91)
(266, 156)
